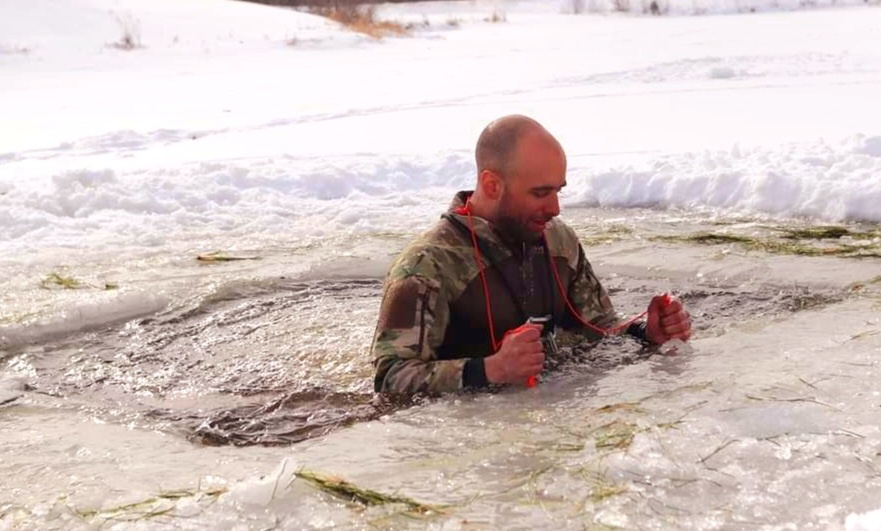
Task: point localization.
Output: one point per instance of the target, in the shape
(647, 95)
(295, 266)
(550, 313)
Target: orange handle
(531, 381)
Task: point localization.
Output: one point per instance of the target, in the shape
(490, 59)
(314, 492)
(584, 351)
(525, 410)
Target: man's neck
(479, 208)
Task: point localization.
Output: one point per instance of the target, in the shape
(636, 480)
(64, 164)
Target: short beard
(513, 228)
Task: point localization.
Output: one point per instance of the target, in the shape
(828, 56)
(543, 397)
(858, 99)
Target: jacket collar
(489, 240)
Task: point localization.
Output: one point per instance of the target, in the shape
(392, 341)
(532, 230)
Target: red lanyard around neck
(466, 210)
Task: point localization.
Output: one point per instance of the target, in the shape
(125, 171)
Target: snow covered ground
(259, 130)
(218, 123)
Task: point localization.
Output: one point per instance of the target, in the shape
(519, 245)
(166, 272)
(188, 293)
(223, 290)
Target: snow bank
(823, 181)
(46, 28)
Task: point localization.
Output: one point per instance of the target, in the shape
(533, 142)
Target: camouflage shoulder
(441, 254)
(562, 241)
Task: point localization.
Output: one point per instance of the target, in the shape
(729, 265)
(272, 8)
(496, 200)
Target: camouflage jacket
(432, 333)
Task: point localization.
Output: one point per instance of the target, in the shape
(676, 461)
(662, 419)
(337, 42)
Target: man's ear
(491, 184)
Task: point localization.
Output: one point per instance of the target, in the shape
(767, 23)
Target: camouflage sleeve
(591, 299)
(411, 325)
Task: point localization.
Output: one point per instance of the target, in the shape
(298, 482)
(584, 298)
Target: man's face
(530, 199)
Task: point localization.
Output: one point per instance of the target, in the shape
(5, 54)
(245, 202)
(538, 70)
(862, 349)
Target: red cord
(574, 312)
(466, 210)
(489, 312)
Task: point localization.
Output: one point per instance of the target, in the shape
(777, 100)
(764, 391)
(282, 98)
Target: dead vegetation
(57, 280)
(221, 256)
(496, 17)
(350, 492)
(130, 32)
(360, 18)
(15, 50)
(163, 506)
(810, 241)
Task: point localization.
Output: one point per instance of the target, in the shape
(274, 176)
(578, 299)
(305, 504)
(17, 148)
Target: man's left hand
(667, 319)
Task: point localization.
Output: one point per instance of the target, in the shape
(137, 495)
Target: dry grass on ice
(360, 18)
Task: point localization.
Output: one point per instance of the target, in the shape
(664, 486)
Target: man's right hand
(520, 356)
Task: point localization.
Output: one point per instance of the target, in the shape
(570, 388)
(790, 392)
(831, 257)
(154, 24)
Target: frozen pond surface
(141, 387)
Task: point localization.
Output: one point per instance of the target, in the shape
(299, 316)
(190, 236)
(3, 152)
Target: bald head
(521, 170)
(497, 145)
